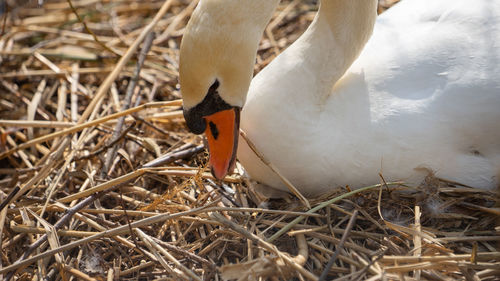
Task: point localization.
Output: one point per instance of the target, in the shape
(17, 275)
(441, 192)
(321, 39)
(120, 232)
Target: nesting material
(100, 180)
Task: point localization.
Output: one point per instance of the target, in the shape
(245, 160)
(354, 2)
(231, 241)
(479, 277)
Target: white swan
(424, 94)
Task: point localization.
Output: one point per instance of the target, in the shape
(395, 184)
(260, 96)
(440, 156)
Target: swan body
(423, 95)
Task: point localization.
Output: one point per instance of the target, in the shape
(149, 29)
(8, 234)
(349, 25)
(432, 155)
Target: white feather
(423, 95)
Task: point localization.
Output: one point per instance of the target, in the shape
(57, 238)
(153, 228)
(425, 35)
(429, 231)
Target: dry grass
(84, 201)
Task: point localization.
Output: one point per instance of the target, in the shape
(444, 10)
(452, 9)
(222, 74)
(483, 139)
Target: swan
(413, 92)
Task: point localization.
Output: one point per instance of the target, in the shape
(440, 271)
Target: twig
(417, 239)
(288, 184)
(359, 274)
(174, 155)
(5, 13)
(126, 103)
(80, 127)
(150, 244)
(9, 197)
(481, 256)
(77, 273)
(324, 204)
(348, 228)
(223, 192)
(167, 255)
(151, 125)
(104, 186)
(107, 146)
(108, 233)
(266, 245)
(185, 253)
(103, 89)
(46, 169)
(61, 222)
(88, 29)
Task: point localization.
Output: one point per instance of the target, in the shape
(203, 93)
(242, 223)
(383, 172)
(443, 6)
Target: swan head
(217, 55)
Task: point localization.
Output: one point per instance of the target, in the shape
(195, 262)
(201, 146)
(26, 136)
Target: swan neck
(337, 36)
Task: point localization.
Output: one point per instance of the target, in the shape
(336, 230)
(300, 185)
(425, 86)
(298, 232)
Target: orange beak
(222, 136)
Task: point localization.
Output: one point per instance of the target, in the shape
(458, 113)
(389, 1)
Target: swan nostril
(213, 130)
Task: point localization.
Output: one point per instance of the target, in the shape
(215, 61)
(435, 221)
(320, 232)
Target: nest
(100, 180)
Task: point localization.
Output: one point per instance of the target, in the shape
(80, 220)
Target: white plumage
(424, 95)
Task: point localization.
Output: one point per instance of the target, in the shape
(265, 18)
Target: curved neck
(334, 40)
(222, 36)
